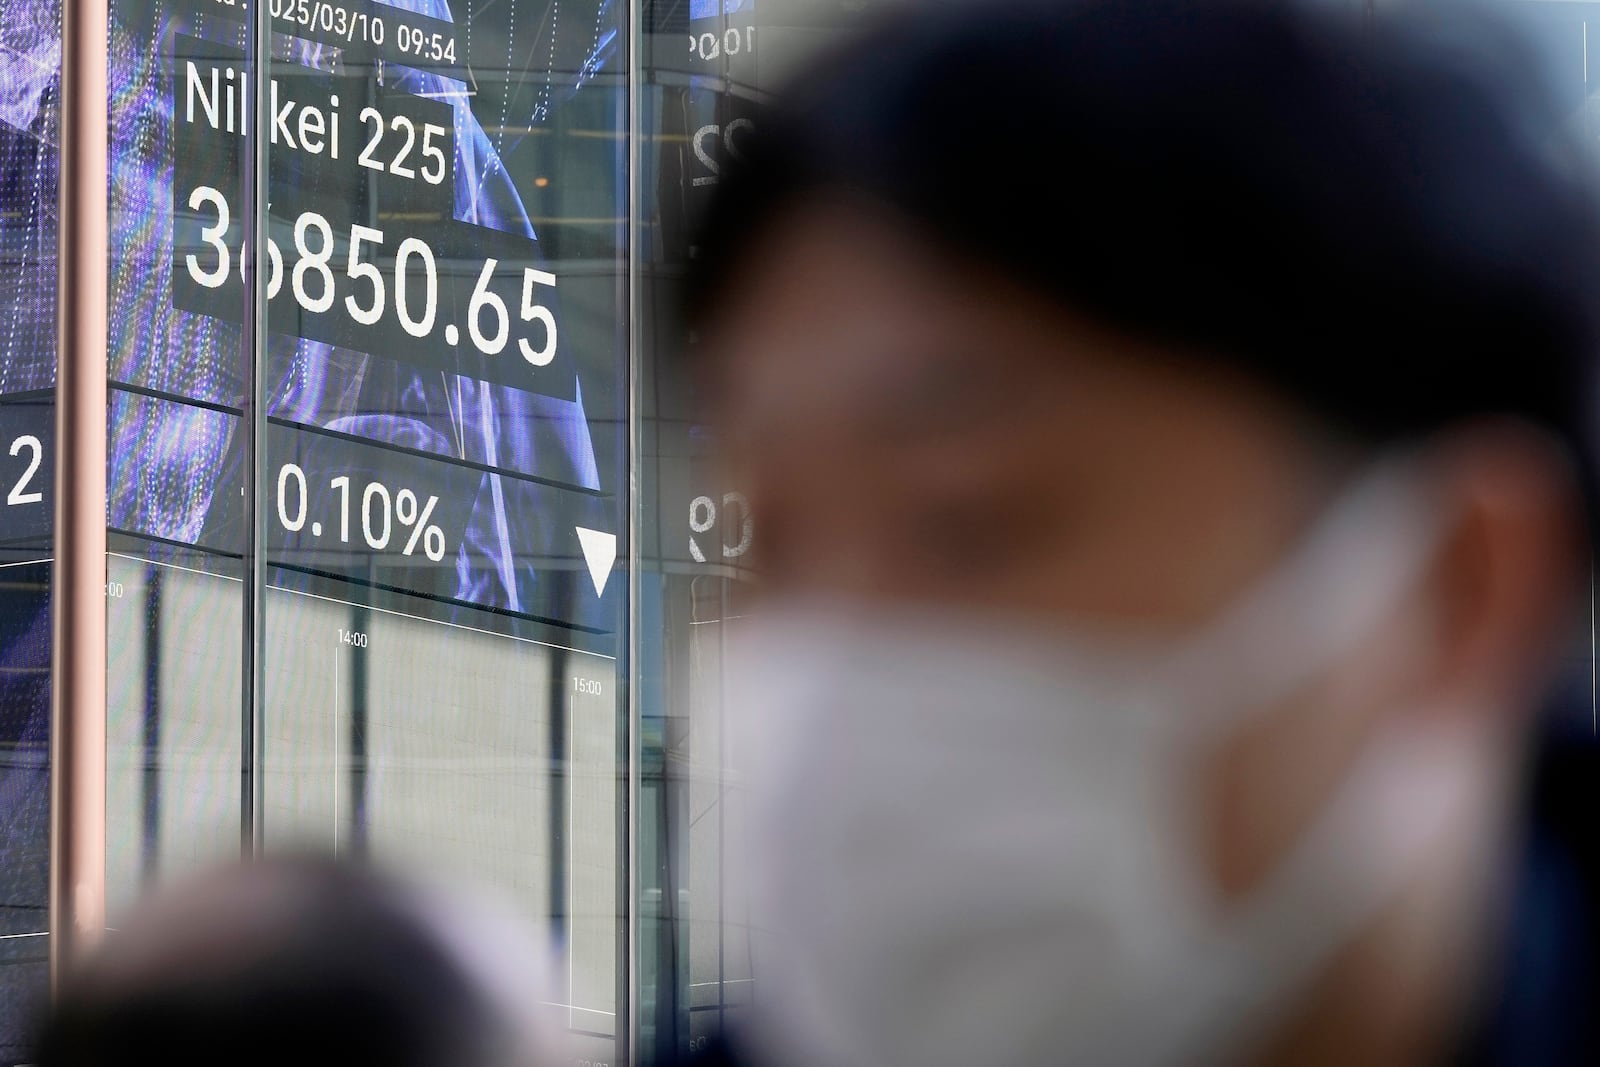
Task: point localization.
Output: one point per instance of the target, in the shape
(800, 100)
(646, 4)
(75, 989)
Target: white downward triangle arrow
(600, 552)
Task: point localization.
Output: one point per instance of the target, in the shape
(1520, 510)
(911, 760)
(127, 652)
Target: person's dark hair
(299, 960)
(1382, 222)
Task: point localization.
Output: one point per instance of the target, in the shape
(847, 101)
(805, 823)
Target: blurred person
(306, 960)
(1168, 428)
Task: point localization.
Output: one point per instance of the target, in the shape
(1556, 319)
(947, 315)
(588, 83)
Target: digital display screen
(444, 495)
(427, 360)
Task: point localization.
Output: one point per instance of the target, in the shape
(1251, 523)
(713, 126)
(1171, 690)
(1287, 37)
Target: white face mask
(970, 845)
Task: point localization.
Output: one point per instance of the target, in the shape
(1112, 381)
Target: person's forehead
(845, 311)
(842, 305)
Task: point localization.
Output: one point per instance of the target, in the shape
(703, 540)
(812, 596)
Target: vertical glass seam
(254, 430)
(635, 555)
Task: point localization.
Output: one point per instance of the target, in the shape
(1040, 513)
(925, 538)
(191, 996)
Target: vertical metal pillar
(78, 596)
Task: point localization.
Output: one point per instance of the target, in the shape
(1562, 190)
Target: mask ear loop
(1361, 849)
(1350, 573)
(1360, 855)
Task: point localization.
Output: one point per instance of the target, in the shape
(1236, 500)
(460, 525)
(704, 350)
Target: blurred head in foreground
(305, 961)
(1167, 429)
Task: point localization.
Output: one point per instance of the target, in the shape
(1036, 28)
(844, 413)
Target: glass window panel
(30, 32)
(444, 497)
(703, 62)
(174, 577)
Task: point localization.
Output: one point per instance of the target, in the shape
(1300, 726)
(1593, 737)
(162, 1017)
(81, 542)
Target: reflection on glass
(704, 63)
(172, 743)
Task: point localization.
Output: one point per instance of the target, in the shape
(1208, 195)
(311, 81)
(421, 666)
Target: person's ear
(1510, 567)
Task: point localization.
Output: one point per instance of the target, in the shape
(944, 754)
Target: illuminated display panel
(426, 342)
